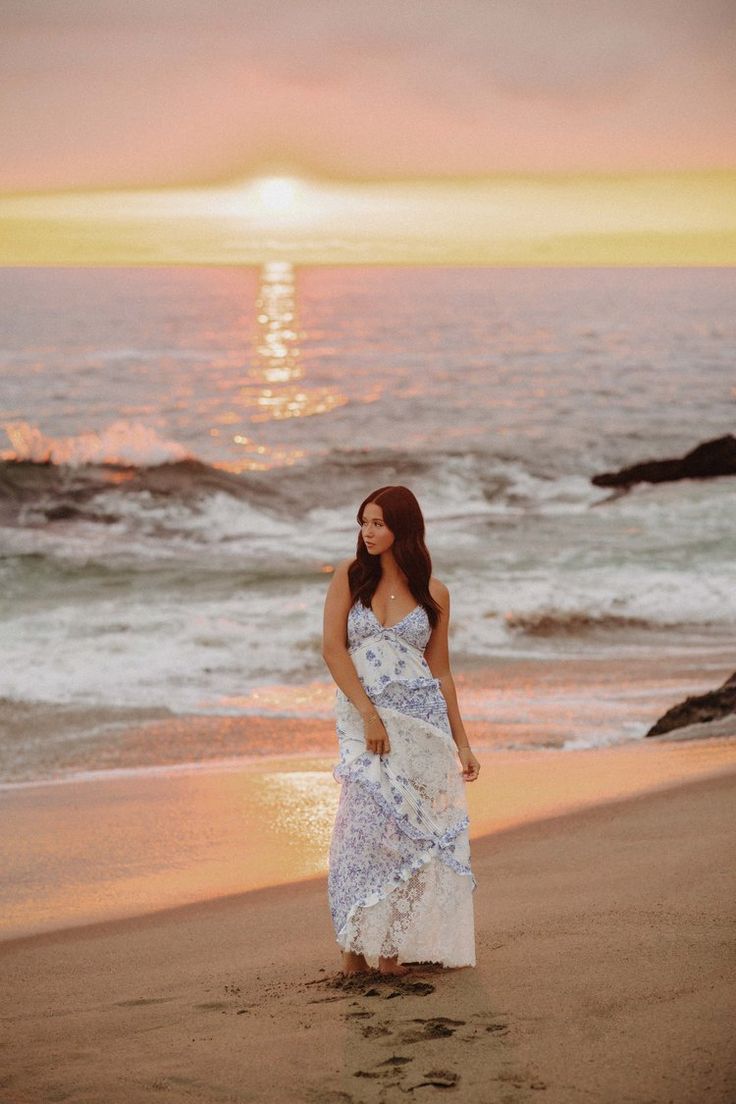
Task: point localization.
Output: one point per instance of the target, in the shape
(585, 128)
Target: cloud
(115, 92)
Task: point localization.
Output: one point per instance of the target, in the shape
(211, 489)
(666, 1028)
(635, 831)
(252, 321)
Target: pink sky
(117, 93)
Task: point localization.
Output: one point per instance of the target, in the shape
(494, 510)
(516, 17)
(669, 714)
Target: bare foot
(353, 963)
(392, 967)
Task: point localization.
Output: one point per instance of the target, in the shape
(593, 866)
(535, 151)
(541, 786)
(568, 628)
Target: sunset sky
(348, 99)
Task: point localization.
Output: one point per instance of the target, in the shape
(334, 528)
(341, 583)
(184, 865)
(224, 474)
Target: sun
(276, 195)
(283, 202)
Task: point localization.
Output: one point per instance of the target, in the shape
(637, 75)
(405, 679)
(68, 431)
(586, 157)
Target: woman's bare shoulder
(439, 591)
(340, 583)
(337, 597)
(341, 568)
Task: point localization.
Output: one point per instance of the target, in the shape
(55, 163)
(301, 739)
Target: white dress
(399, 878)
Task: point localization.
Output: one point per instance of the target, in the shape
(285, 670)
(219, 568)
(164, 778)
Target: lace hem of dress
(401, 876)
(376, 926)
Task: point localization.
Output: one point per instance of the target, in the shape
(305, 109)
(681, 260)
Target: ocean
(196, 441)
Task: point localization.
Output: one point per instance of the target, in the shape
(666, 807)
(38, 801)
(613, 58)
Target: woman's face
(377, 536)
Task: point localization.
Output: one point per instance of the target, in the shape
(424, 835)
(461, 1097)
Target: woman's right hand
(376, 736)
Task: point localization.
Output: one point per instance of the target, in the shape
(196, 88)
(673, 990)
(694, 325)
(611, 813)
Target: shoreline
(103, 851)
(605, 972)
(209, 821)
(511, 703)
(521, 830)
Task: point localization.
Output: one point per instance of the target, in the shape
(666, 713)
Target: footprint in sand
(436, 1078)
(438, 1027)
(329, 1096)
(374, 985)
(440, 1079)
(487, 1023)
(374, 1031)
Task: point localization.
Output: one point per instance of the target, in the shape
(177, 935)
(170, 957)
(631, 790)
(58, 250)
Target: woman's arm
(341, 667)
(437, 655)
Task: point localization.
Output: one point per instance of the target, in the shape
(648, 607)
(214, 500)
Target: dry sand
(606, 963)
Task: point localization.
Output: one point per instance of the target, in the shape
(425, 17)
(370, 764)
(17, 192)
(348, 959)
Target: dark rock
(712, 458)
(64, 511)
(703, 707)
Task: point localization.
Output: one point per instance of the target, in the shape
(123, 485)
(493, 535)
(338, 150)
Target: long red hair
(403, 516)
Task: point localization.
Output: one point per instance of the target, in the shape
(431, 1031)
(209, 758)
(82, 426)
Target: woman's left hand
(471, 766)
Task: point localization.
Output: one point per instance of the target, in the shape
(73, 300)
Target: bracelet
(462, 745)
(371, 717)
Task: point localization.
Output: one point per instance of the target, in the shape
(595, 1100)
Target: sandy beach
(165, 933)
(106, 844)
(342, 286)
(605, 973)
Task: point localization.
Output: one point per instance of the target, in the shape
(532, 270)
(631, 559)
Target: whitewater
(184, 451)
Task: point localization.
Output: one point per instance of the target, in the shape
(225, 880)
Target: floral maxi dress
(399, 879)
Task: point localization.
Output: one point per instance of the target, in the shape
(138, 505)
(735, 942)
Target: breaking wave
(95, 477)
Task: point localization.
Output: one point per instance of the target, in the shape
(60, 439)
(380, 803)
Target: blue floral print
(400, 881)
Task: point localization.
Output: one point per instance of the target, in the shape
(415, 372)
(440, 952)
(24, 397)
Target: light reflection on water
(307, 699)
(225, 394)
(276, 392)
(303, 805)
(277, 347)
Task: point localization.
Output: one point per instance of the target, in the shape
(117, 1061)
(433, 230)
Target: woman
(400, 884)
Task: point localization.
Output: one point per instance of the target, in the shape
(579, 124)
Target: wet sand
(129, 842)
(606, 963)
(513, 702)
